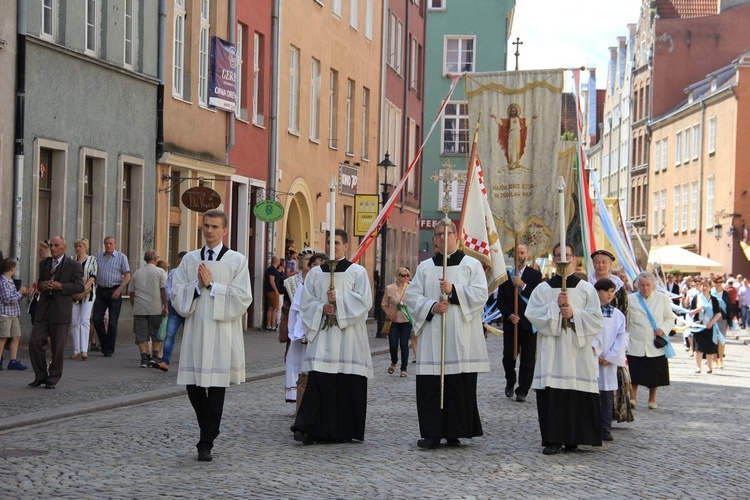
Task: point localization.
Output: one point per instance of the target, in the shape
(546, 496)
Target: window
(436, 4)
(664, 152)
(684, 225)
(130, 201)
(368, 19)
(91, 25)
(710, 202)
(365, 123)
(624, 153)
(44, 208)
(395, 54)
(258, 79)
(657, 156)
(393, 132)
(240, 101)
(353, 13)
(92, 204)
(336, 7)
(696, 141)
(456, 128)
(456, 193)
(129, 31)
(349, 117)
(204, 53)
(459, 55)
(333, 109)
(693, 205)
(605, 165)
(174, 194)
(49, 15)
(178, 52)
(686, 151)
(663, 211)
(413, 63)
(712, 135)
(293, 89)
(676, 211)
(678, 148)
(127, 192)
(315, 100)
(412, 151)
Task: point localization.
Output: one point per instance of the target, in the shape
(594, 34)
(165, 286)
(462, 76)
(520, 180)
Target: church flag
(478, 232)
(519, 121)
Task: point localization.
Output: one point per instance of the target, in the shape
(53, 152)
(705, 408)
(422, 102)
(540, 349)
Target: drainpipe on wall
(19, 131)
(160, 65)
(230, 115)
(700, 179)
(273, 157)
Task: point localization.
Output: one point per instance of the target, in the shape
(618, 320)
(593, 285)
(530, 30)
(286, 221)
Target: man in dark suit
(60, 277)
(521, 282)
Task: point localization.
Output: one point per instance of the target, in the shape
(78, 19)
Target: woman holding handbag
(706, 310)
(399, 319)
(83, 302)
(650, 319)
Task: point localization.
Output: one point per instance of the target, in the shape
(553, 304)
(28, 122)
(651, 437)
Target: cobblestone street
(696, 445)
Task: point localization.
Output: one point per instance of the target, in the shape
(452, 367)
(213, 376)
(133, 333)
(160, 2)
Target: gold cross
(447, 177)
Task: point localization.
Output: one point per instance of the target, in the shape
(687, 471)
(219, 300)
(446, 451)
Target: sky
(560, 34)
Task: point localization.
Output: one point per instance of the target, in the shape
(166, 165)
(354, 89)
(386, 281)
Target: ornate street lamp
(385, 164)
(717, 231)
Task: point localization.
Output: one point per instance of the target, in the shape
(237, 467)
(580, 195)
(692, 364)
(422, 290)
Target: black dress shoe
(508, 391)
(303, 437)
(429, 443)
(607, 436)
(569, 448)
(521, 398)
(204, 456)
(36, 383)
(453, 442)
(552, 449)
(49, 385)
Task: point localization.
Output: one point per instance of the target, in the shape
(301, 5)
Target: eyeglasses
(567, 256)
(405, 275)
(438, 235)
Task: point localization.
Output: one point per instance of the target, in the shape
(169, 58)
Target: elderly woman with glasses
(396, 311)
(649, 315)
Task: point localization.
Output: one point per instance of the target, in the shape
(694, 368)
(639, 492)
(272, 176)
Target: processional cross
(517, 43)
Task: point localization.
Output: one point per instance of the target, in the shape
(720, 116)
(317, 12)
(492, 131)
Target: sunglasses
(405, 275)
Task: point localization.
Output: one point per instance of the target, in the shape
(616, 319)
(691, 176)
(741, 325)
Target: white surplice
(465, 345)
(564, 357)
(611, 345)
(343, 348)
(212, 353)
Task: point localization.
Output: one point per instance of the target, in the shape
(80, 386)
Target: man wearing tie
(523, 280)
(60, 277)
(211, 290)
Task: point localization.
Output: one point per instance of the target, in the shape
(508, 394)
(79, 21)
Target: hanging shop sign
(200, 199)
(269, 211)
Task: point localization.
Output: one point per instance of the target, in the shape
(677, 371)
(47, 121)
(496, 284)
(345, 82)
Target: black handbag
(660, 342)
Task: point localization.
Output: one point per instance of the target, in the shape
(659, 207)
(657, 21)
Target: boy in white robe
(465, 345)
(337, 361)
(609, 347)
(566, 373)
(211, 290)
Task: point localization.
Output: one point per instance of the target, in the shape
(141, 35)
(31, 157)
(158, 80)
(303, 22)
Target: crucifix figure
(518, 44)
(448, 176)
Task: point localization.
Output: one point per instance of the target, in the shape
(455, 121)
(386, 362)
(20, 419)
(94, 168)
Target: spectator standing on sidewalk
(149, 300)
(211, 290)
(271, 289)
(10, 326)
(83, 302)
(174, 320)
(112, 279)
(744, 295)
(60, 278)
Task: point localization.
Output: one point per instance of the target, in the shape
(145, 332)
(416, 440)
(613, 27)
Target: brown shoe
(163, 366)
(84, 356)
(75, 356)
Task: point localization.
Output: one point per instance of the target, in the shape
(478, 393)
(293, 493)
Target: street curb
(123, 401)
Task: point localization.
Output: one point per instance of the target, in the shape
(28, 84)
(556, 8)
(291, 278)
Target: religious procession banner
(519, 122)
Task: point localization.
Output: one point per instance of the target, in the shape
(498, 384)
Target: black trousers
(58, 335)
(527, 353)
(208, 403)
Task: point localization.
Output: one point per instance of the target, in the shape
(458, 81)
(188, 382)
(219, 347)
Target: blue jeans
(400, 334)
(174, 321)
(745, 311)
